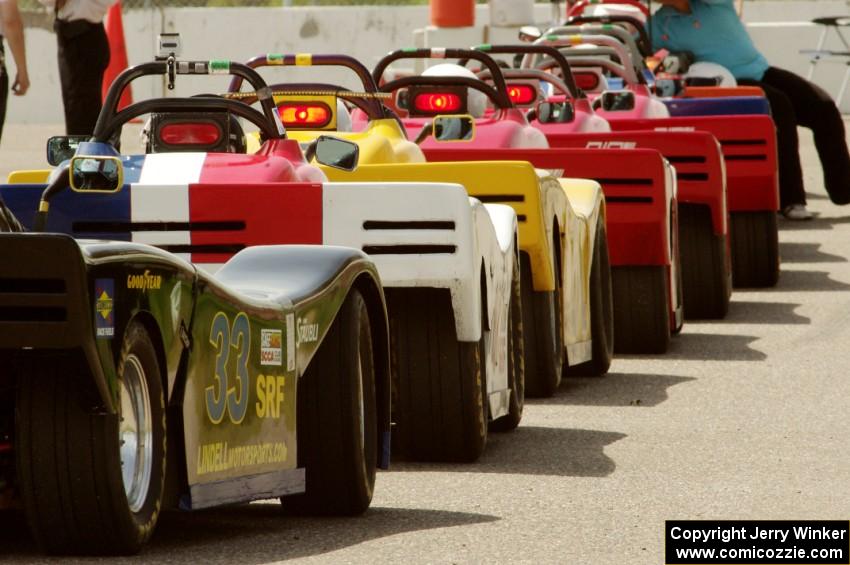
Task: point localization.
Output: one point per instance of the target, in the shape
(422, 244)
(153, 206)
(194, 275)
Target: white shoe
(797, 212)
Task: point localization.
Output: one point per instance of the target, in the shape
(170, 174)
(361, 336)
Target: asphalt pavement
(747, 418)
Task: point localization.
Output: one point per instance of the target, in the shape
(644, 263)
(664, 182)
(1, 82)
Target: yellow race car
(566, 290)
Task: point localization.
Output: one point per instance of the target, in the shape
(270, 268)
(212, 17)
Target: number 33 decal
(223, 396)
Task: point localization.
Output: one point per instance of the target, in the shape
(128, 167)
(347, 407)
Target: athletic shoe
(797, 212)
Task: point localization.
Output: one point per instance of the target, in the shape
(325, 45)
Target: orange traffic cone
(117, 53)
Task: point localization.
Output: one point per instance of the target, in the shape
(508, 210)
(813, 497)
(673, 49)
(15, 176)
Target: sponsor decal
(104, 311)
(144, 281)
(290, 342)
(611, 144)
(220, 456)
(307, 332)
(271, 347)
(676, 128)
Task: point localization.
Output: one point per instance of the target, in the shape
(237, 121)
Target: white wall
(366, 32)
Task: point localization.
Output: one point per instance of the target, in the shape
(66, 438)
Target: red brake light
(439, 102)
(188, 133)
(304, 115)
(587, 81)
(522, 94)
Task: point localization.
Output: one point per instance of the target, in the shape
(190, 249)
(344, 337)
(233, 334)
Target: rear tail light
(522, 94)
(190, 133)
(305, 115)
(437, 102)
(587, 81)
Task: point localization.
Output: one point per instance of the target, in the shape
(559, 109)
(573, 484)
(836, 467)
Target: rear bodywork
(70, 301)
(203, 207)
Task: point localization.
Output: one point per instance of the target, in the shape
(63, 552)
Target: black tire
(516, 360)
(337, 419)
(755, 249)
(706, 277)
(641, 309)
(69, 460)
(440, 408)
(542, 316)
(601, 311)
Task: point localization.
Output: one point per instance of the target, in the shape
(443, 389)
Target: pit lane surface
(745, 418)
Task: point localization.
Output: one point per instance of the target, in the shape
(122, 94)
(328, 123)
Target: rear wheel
(337, 419)
(601, 311)
(755, 249)
(516, 361)
(93, 483)
(706, 279)
(440, 406)
(641, 309)
(542, 315)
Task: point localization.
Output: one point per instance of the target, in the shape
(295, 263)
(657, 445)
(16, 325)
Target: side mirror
(62, 147)
(96, 174)
(454, 128)
(555, 112)
(616, 101)
(402, 99)
(530, 33)
(337, 153)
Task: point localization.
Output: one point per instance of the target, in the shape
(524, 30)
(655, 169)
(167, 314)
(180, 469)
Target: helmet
(704, 69)
(618, 10)
(476, 102)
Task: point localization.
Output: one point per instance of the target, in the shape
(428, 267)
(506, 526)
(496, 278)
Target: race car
(701, 184)
(748, 143)
(135, 381)
(557, 235)
(196, 194)
(639, 326)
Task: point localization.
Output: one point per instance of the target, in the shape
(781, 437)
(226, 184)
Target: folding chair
(834, 24)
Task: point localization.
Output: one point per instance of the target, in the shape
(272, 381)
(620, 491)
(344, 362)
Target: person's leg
(82, 62)
(791, 190)
(4, 96)
(816, 110)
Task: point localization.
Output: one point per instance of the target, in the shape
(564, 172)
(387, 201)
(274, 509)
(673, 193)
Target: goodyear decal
(274, 59)
(271, 347)
(104, 308)
(303, 59)
(219, 67)
(144, 281)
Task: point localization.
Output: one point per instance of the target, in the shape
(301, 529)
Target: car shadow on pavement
(819, 223)
(559, 452)
(753, 312)
(792, 252)
(613, 389)
(707, 346)
(255, 533)
(793, 280)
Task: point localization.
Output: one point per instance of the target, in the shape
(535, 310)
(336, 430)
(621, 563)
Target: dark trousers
(794, 101)
(4, 96)
(83, 58)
